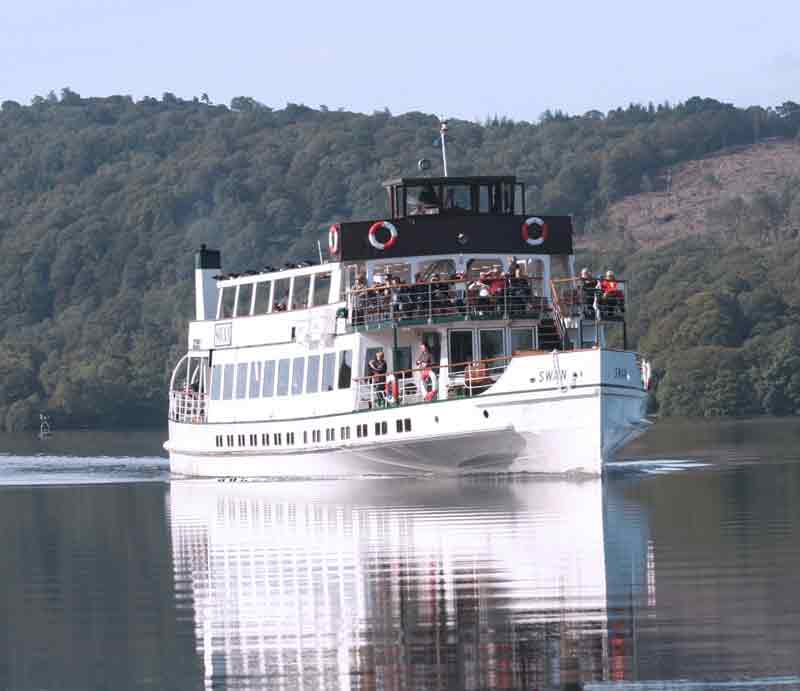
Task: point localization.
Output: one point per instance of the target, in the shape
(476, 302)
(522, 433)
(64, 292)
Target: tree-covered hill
(103, 200)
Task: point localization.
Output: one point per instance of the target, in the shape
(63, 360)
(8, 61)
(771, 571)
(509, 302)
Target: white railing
(407, 387)
(447, 300)
(187, 406)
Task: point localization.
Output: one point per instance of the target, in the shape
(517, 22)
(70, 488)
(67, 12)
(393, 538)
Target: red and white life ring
(390, 391)
(374, 228)
(544, 231)
(333, 239)
(429, 378)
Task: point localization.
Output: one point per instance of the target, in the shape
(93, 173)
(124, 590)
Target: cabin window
(298, 370)
(227, 301)
(521, 339)
(255, 379)
(328, 368)
(280, 295)
(283, 377)
(300, 292)
(322, 289)
(559, 267)
(460, 349)
(263, 290)
(491, 342)
(241, 380)
(407, 424)
(227, 383)
(345, 368)
(216, 382)
(268, 383)
(442, 267)
(476, 266)
(264, 439)
(276, 439)
(399, 425)
(392, 270)
(243, 300)
(312, 382)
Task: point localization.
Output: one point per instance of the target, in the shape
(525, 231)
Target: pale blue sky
(465, 59)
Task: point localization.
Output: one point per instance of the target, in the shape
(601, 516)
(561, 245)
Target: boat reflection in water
(463, 583)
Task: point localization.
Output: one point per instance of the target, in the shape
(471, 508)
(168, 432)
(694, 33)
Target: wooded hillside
(102, 202)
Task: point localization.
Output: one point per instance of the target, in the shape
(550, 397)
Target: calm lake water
(681, 569)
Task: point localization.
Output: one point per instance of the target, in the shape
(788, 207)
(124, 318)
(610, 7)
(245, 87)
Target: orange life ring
(374, 228)
(333, 239)
(544, 231)
(390, 391)
(428, 375)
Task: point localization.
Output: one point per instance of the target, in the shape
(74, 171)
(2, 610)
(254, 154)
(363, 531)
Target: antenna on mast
(443, 131)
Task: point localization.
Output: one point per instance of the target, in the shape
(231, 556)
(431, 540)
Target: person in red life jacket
(612, 298)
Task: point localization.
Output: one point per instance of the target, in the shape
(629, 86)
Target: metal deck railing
(447, 300)
(421, 385)
(188, 406)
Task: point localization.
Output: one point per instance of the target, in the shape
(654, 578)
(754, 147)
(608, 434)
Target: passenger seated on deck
(478, 294)
(476, 378)
(612, 299)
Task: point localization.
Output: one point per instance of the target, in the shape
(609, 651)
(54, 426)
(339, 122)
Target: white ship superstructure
(526, 366)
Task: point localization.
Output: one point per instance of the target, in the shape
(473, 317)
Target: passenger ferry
(525, 366)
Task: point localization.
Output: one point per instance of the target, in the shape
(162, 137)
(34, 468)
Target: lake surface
(681, 569)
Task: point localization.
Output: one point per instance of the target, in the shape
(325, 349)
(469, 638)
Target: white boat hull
(564, 413)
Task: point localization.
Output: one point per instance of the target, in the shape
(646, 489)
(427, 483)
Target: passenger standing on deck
(424, 357)
(377, 372)
(588, 289)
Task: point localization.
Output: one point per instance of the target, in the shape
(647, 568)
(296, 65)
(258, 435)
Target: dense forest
(102, 201)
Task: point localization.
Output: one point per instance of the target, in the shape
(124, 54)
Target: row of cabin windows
(283, 377)
(274, 295)
(252, 440)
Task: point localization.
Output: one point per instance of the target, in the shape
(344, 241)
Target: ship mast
(443, 130)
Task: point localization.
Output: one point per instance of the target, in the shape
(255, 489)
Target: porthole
(486, 414)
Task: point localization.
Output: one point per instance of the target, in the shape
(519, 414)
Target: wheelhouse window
(345, 368)
(263, 290)
(328, 371)
(243, 300)
(227, 301)
(300, 292)
(283, 377)
(458, 197)
(268, 384)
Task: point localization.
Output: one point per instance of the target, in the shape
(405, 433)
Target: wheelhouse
(463, 195)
